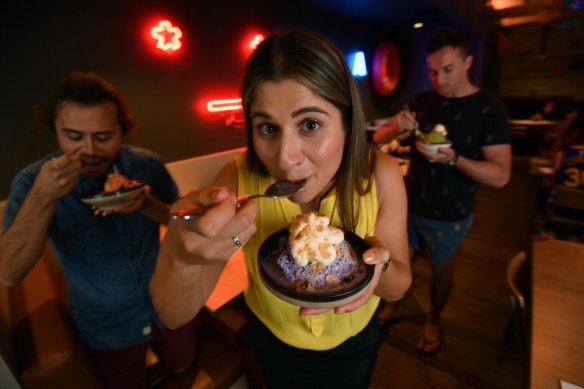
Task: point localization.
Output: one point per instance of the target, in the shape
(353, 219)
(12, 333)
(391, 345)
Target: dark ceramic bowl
(348, 290)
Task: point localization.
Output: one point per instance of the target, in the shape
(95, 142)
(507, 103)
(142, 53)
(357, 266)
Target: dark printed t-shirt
(439, 191)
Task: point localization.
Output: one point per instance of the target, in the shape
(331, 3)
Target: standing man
(441, 186)
(107, 258)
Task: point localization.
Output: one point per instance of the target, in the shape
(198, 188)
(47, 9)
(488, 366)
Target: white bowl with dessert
(119, 191)
(311, 264)
(434, 139)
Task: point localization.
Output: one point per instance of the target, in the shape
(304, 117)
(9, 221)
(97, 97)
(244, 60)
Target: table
(557, 347)
(529, 136)
(539, 166)
(532, 123)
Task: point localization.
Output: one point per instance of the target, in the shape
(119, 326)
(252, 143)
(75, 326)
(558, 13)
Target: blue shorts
(439, 239)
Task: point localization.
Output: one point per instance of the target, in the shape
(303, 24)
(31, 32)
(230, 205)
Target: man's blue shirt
(108, 261)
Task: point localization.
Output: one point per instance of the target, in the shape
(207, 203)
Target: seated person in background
(568, 161)
(552, 136)
(563, 132)
(570, 133)
(304, 121)
(107, 260)
(563, 135)
(548, 112)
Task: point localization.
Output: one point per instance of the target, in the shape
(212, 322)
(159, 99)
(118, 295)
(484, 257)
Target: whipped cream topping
(313, 241)
(439, 128)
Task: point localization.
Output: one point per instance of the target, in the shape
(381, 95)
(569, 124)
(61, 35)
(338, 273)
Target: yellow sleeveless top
(315, 332)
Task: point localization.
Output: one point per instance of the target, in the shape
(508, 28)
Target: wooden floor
(476, 316)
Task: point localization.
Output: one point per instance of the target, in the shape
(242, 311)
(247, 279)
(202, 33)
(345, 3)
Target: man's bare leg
(442, 282)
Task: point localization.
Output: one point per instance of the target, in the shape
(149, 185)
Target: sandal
(425, 342)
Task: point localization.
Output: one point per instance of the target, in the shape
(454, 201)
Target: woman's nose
(290, 152)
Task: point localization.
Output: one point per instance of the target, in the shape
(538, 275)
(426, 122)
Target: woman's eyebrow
(296, 113)
(313, 108)
(260, 115)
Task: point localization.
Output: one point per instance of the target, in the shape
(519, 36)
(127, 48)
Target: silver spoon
(278, 190)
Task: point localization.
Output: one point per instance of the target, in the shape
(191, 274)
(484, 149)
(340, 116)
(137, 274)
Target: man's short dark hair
(450, 36)
(86, 88)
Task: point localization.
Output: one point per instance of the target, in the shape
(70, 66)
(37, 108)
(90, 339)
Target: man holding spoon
(441, 185)
(107, 261)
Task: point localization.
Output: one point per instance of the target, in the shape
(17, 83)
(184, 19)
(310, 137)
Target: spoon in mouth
(278, 190)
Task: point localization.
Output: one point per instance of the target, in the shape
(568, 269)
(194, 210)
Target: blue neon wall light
(357, 63)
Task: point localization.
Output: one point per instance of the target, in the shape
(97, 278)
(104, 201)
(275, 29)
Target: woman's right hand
(209, 237)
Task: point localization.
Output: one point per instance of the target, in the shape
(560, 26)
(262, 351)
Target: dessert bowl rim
(358, 244)
(104, 195)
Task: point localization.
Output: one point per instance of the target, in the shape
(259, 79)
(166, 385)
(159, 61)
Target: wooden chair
(517, 282)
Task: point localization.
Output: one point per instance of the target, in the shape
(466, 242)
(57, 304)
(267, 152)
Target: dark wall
(44, 40)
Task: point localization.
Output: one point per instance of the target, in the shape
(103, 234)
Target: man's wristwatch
(454, 159)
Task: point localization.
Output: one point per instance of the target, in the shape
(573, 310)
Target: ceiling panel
(390, 13)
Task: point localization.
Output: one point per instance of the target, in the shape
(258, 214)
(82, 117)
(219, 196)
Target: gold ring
(236, 240)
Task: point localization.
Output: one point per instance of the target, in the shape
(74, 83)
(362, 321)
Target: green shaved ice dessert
(437, 135)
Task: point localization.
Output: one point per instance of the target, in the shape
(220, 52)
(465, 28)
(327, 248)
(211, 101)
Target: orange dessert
(116, 181)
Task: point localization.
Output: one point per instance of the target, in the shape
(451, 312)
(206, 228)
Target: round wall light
(385, 68)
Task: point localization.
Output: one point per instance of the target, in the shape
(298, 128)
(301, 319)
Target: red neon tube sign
(224, 105)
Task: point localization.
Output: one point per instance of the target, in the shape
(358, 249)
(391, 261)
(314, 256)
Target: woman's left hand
(377, 255)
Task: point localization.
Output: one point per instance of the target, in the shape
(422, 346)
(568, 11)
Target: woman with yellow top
(304, 120)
